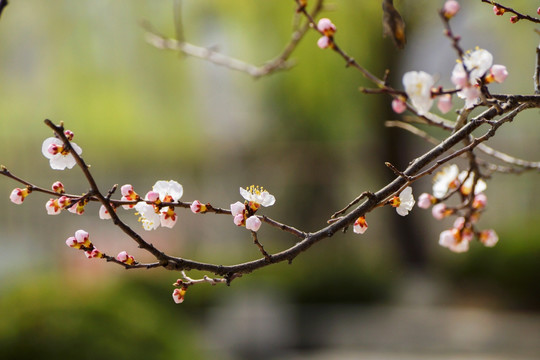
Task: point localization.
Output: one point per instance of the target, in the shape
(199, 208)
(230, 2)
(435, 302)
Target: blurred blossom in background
(307, 135)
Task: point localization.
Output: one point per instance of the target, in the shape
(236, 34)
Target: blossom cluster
(470, 188)
(81, 240)
(244, 213)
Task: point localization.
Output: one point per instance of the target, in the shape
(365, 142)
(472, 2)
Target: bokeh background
(307, 135)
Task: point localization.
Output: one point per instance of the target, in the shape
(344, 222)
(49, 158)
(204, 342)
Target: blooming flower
(445, 180)
(59, 158)
(467, 179)
(257, 196)
(253, 223)
(404, 203)
(169, 191)
(360, 225)
(17, 196)
(489, 237)
(149, 218)
(418, 86)
(178, 295)
(125, 258)
(453, 240)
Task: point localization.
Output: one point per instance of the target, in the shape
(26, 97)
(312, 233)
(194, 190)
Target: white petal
(161, 187)
(175, 190)
(246, 194)
(47, 143)
(267, 199)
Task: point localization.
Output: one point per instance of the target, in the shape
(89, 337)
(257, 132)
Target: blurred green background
(307, 135)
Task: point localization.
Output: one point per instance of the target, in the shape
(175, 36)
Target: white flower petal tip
(418, 86)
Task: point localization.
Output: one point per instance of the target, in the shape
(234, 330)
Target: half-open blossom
(125, 258)
(360, 225)
(497, 73)
(17, 196)
(168, 217)
(53, 207)
(425, 200)
(450, 8)
(453, 240)
(467, 179)
(445, 180)
(253, 223)
(398, 105)
(479, 201)
(58, 187)
(104, 213)
(197, 207)
(178, 295)
(418, 86)
(78, 208)
(404, 203)
(489, 237)
(94, 253)
(149, 218)
(59, 158)
(257, 196)
(326, 26)
(81, 238)
(128, 194)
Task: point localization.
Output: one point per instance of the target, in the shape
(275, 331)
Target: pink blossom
(324, 42)
(72, 242)
(59, 158)
(360, 225)
(152, 196)
(450, 8)
(439, 211)
(326, 26)
(253, 223)
(499, 73)
(452, 240)
(459, 223)
(514, 19)
(498, 10)
(237, 208)
(125, 258)
(445, 103)
(489, 237)
(197, 207)
(168, 217)
(425, 200)
(238, 219)
(128, 194)
(94, 253)
(69, 134)
(83, 238)
(17, 195)
(480, 201)
(78, 208)
(398, 105)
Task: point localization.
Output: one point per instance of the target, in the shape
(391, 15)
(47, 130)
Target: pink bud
(178, 295)
(499, 73)
(64, 201)
(17, 195)
(425, 200)
(326, 27)
(253, 223)
(514, 19)
(538, 11)
(498, 11)
(82, 237)
(480, 201)
(450, 8)
(152, 196)
(94, 253)
(459, 223)
(238, 208)
(445, 103)
(197, 207)
(324, 42)
(58, 187)
(69, 134)
(72, 242)
(398, 105)
(125, 258)
(439, 211)
(238, 219)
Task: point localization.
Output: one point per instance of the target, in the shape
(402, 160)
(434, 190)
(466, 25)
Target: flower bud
(398, 105)
(425, 200)
(58, 187)
(498, 10)
(69, 134)
(450, 8)
(445, 103)
(326, 27)
(514, 19)
(253, 223)
(178, 295)
(17, 195)
(198, 207)
(360, 225)
(439, 211)
(324, 42)
(125, 258)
